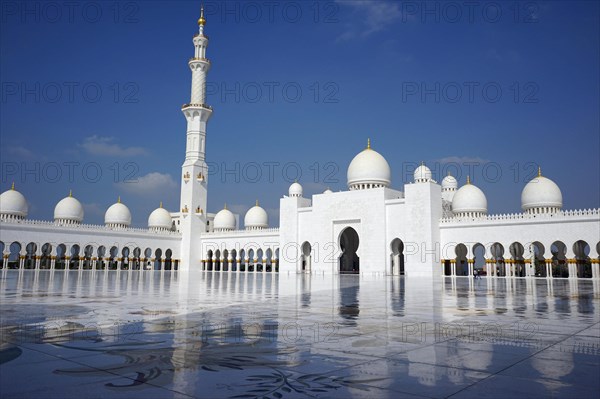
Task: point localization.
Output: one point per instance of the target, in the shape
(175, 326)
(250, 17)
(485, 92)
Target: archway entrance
(397, 247)
(349, 261)
(305, 258)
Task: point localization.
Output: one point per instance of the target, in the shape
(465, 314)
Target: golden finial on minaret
(119, 200)
(468, 179)
(539, 171)
(160, 206)
(13, 186)
(449, 174)
(70, 193)
(368, 144)
(202, 20)
(422, 163)
(256, 202)
(225, 206)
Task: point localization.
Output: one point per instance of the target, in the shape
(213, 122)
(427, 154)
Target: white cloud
(463, 160)
(150, 185)
(374, 16)
(21, 152)
(93, 209)
(105, 146)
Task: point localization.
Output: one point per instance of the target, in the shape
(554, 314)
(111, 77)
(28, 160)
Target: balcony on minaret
(204, 106)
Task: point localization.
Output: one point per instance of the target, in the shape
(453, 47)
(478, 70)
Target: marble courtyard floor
(132, 334)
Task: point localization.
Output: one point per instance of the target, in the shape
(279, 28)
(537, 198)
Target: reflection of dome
(117, 215)
(541, 195)
(554, 370)
(13, 205)
(224, 220)
(256, 218)
(469, 200)
(422, 174)
(368, 169)
(295, 190)
(68, 211)
(160, 219)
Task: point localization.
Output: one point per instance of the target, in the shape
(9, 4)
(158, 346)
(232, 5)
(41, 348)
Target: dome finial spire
(539, 171)
(71, 193)
(368, 144)
(256, 202)
(13, 186)
(202, 20)
(160, 205)
(225, 206)
(119, 200)
(468, 179)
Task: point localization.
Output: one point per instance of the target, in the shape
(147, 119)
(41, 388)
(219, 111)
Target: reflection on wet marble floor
(128, 334)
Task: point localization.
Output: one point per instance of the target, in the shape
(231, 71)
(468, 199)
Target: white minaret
(194, 172)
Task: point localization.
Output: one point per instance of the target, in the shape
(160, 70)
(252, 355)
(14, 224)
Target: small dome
(541, 193)
(117, 215)
(469, 199)
(68, 209)
(449, 183)
(160, 219)
(224, 220)
(256, 218)
(295, 190)
(368, 169)
(328, 191)
(422, 174)
(13, 204)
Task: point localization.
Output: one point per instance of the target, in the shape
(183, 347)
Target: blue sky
(91, 98)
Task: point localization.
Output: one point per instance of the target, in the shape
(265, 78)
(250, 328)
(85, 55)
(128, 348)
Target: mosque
(424, 229)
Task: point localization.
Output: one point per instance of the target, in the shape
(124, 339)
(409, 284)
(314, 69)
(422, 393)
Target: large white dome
(117, 215)
(368, 169)
(256, 218)
(422, 174)
(68, 209)
(13, 204)
(295, 190)
(160, 219)
(224, 220)
(541, 193)
(469, 199)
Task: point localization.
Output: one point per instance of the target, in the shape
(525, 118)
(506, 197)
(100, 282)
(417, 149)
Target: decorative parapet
(237, 233)
(562, 215)
(87, 227)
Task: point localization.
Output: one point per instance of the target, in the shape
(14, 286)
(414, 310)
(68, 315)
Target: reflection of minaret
(194, 172)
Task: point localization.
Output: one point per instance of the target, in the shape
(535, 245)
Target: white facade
(424, 230)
